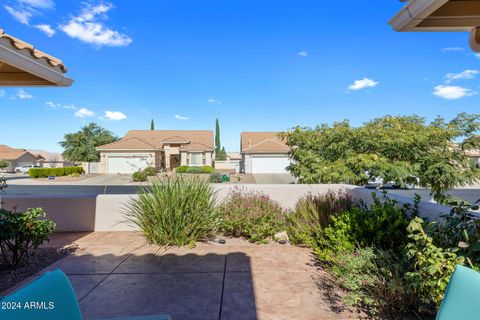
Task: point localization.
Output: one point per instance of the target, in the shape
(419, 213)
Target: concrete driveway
(273, 178)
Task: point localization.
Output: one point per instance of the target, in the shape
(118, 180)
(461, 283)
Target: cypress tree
(152, 125)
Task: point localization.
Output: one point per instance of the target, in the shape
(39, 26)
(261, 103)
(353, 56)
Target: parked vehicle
(24, 169)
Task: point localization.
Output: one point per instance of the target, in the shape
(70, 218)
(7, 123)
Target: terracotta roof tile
(263, 142)
(128, 144)
(34, 52)
(157, 137)
(12, 154)
(196, 146)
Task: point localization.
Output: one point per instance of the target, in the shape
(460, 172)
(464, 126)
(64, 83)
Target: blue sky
(257, 65)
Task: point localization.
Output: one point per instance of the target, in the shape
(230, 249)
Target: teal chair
(51, 297)
(462, 298)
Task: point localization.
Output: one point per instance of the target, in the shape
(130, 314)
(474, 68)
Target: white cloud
(453, 49)
(55, 105)
(452, 92)
(84, 113)
(39, 4)
(115, 115)
(24, 95)
(45, 28)
(2, 93)
(88, 28)
(52, 104)
(69, 107)
(21, 15)
(464, 75)
(303, 54)
(214, 101)
(179, 117)
(362, 84)
(477, 55)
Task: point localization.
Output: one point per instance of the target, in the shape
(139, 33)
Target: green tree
(152, 125)
(3, 164)
(401, 149)
(80, 146)
(220, 153)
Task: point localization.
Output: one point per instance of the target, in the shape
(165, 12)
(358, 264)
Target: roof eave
(414, 13)
(14, 58)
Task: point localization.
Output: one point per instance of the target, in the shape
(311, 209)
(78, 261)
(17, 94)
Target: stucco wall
(106, 212)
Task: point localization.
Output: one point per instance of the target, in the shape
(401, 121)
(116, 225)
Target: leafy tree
(80, 146)
(3, 164)
(152, 125)
(401, 149)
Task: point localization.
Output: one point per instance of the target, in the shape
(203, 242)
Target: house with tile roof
(263, 152)
(18, 157)
(162, 149)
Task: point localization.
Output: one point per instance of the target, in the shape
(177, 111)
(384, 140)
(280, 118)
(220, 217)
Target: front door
(174, 161)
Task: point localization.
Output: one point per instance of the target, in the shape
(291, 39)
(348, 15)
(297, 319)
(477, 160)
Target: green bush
(313, 213)
(252, 215)
(4, 164)
(139, 176)
(175, 211)
(432, 266)
(216, 177)
(21, 233)
(150, 171)
(195, 170)
(55, 172)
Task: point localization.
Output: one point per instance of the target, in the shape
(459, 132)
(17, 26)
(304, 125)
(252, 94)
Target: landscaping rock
(281, 236)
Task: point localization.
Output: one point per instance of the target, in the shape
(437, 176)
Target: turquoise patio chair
(51, 297)
(462, 298)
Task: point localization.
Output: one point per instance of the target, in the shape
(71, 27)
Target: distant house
(18, 157)
(232, 163)
(263, 152)
(162, 149)
(474, 154)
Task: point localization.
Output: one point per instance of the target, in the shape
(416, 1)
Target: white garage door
(126, 164)
(270, 165)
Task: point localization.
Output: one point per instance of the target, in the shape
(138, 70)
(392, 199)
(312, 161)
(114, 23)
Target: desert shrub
(313, 213)
(175, 211)
(432, 266)
(21, 233)
(139, 176)
(150, 171)
(216, 177)
(252, 215)
(3, 164)
(207, 169)
(56, 172)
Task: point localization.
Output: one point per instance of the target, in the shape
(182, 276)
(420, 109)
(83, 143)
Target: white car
(24, 169)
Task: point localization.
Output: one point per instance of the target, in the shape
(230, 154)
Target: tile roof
(128, 144)
(8, 153)
(5, 147)
(196, 146)
(159, 137)
(262, 142)
(34, 52)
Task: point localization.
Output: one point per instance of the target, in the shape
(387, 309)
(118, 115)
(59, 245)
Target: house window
(204, 157)
(196, 159)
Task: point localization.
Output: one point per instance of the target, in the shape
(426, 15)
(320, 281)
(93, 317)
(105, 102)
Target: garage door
(126, 164)
(270, 165)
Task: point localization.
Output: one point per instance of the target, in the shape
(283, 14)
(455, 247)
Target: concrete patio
(117, 274)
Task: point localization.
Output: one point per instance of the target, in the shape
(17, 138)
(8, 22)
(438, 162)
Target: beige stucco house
(18, 158)
(440, 15)
(162, 149)
(263, 152)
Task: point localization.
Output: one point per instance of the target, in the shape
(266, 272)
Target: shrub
(150, 171)
(175, 211)
(139, 176)
(216, 177)
(313, 213)
(432, 266)
(56, 172)
(22, 232)
(3, 164)
(252, 215)
(195, 170)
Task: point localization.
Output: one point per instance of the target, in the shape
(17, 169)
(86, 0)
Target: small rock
(281, 236)
(222, 241)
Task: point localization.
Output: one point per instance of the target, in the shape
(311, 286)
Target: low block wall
(106, 212)
(70, 213)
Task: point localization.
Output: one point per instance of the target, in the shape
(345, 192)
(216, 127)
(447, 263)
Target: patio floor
(117, 274)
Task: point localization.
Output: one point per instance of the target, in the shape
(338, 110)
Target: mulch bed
(42, 258)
